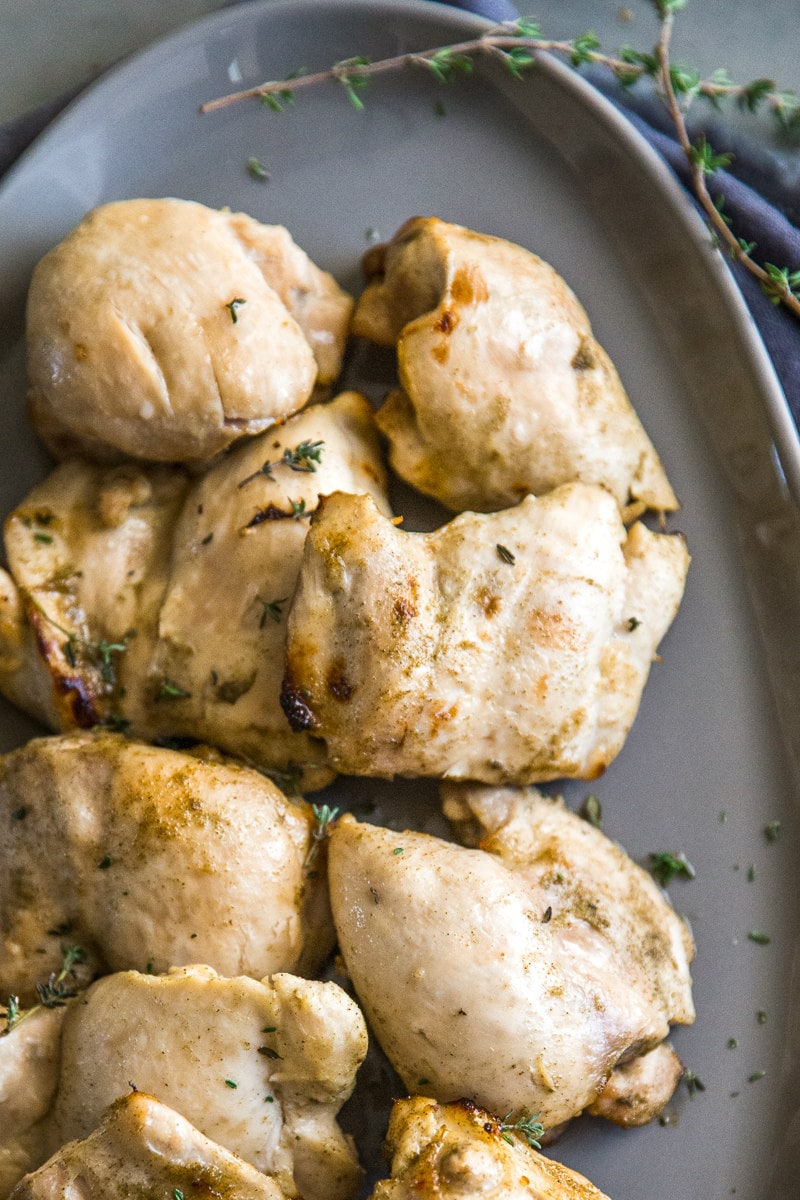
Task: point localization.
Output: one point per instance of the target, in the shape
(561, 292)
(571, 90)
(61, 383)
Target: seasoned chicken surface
(143, 1149)
(29, 1058)
(144, 601)
(509, 647)
(261, 1068)
(528, 970)
(504, 390)
(165, 330)
(444, 1151)
(142, 855)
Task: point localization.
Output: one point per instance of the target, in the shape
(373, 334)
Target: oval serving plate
(551, 165)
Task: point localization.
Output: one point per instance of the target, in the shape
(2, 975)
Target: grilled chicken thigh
(144, 855)
(504, 390)
(145, 1151)
(509, 647)
(527, 970)
(165, 330)
(261, 1068)
(138, 597)
(457, 1151)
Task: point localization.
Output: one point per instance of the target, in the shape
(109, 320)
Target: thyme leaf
(233, 307)
(271, 610)
(666, 866)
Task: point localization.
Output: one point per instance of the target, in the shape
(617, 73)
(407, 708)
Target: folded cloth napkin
(763, 210)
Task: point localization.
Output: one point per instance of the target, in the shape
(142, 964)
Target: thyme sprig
(59, 988)
(304, 457)
(528, 1127)
(100, 653)
(515, 43)
(324, 816)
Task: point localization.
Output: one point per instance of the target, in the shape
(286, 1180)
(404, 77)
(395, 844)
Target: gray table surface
(47, 47)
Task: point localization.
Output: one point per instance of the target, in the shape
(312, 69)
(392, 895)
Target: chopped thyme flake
(207, 539)
(398, 850)
(756, 1076)
(268, 1052)
(548, 913)
(732, 1044)
(694, 1084)
(270, 1029)
(773, 831)
(271, 610)
(666, 866)
(233, 307)
(633, 623)
(169, 690)
(257, 170)
(44, 538)
(505, 555)
(230, 1083)
(177, 1194)
(723, 817)
(269, 1099)
(105, 862)
(761, 939)
(751, 873)
(19, 814)
(761, 1017)
(592, 810)
(12, 1013)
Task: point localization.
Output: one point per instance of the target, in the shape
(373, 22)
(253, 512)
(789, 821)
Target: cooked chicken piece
(458, 1150)
(165, 330)
(512, 647)
(29, 1057)
(143, 1149)
(89, 555)
(261, 1068)
(103, 837)
(637, 1090)
(504, 389)
(517, 976)
(140, 599)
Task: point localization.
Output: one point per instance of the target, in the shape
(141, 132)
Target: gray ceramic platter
(548, 164)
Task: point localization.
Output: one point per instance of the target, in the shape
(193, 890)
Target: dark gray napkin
(763, 209)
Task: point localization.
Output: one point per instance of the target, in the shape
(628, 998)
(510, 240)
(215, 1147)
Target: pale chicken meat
(260, 1068)
(144, 1150)
(29, 1058)
(165, 330)
(519, 975)
(504, 389)
(458, 1151)
(141, 600)
(510, 647)
(142, 855)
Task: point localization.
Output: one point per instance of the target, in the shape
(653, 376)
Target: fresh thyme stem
(514, 43)
(701, 163)
(496, 42)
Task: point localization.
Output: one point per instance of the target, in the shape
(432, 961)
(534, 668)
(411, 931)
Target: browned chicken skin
(458, 1151)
